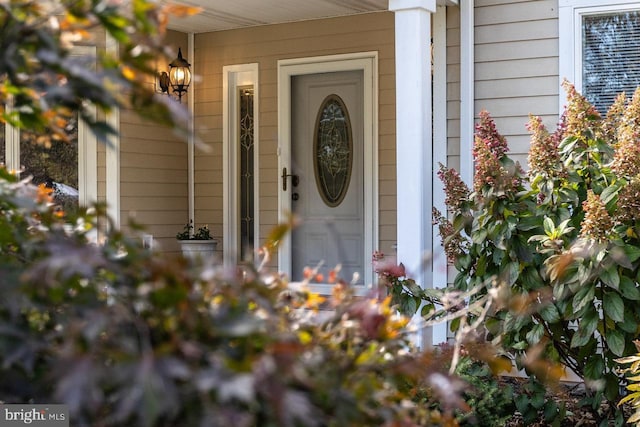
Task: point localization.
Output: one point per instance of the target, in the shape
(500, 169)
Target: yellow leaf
(128, 73)
(628, 359)
(181, 10)
(314, 300)
(634, 418)
(628, 398)
(305, 337)
(500, 364)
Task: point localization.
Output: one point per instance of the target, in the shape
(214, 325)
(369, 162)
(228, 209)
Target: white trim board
(367, 62)
(113, 154)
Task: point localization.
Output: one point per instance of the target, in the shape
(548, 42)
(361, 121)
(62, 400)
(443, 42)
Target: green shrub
(128, 337)
(491, 403)
(560, 243)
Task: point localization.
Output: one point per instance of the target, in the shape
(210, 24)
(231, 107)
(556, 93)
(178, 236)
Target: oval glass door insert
(333, 150)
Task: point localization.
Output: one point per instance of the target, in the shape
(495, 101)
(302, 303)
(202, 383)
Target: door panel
(328, 234)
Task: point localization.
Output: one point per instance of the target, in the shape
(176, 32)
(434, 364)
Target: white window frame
(570, 14)
(87, 149)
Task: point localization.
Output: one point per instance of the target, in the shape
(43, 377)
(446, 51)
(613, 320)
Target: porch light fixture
(179, 76)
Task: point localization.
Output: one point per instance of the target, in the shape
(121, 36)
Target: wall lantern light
(179, 77)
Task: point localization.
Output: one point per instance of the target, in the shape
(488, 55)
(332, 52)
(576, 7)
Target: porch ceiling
(220, 15)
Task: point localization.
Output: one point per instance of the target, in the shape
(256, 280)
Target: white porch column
(414, 140)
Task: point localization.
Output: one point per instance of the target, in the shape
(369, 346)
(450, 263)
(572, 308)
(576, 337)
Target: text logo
(34, 415)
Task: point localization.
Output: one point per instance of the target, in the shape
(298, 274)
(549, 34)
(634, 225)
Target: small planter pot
(198, 249)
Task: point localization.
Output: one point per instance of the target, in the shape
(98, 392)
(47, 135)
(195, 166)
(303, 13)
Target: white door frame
(367, 62)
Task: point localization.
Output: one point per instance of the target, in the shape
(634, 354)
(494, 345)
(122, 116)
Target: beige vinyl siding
(266, 45)
(516, 70)
(153, 172)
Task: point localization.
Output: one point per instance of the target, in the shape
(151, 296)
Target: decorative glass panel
(3, 146)
(246, 178)
(53, 163)
(610, 56)
(333, 150)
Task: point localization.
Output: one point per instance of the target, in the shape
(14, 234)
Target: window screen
(611, 56)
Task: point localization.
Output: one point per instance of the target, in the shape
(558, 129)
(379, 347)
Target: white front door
(327, 182)
(339, 220)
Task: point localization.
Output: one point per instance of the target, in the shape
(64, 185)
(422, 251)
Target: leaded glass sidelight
(3, 146)
(333, 150)
(246, 171)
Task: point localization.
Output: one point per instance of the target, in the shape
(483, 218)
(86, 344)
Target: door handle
(294, 179)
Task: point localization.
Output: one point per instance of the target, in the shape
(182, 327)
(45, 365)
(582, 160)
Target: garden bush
(126, 336)
(561, 240)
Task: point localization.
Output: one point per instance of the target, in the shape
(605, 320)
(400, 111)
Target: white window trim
(233, 77)
(112, 155)
(570, 15)
(87, 149)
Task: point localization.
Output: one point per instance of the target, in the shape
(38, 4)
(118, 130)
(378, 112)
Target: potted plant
(196, 243)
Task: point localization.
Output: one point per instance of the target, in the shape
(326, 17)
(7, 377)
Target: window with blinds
(610, 56)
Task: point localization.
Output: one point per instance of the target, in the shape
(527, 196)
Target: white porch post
(414, 140)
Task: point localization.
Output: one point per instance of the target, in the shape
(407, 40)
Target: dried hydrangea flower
(487, 132)
(488, 149)
(453, 242)
(597, 223)
(455, 189)
(632, 112)
(580, 113)
(629, 202)
(626, 158)
(544, 158)
(614, 119)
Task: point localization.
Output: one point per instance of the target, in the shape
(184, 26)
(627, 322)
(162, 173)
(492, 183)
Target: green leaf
(481, 265)
(454, 325)
(584, 296)
(629, 324)
(549, 226)
(460, 282)
(615, 342)
(632, 252)
(535, 334)
(530, 279)
(479, 236)
(550, 313)
(608, 194)
(511, 273)
(594, 368)
(629, 289)
(586, 328)
(611, 277)
(613, 306)
(550, 410)
(408, 306)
